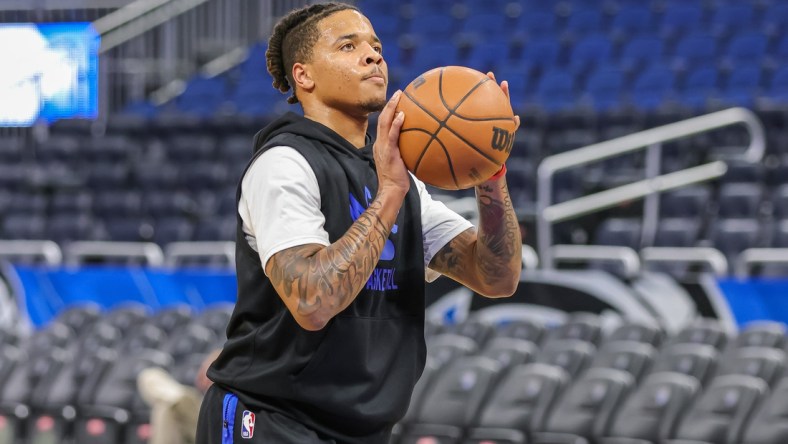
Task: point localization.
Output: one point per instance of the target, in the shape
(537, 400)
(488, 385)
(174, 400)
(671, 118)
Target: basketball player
(334, 242)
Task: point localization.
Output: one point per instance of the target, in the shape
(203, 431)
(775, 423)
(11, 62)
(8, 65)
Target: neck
(351, 127)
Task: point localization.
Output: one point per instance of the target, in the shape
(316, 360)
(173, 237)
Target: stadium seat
(520, 404)
(767, 424)
(592, 51)
(571, 355)
(604, 88)
(761, 334)
(677, 232)
(640, 51)
(721, 413)
(107, 417)
(731, 17)
(172, 318)
(652, 88)
(740, 200)
(478, 331)
(542, 51)
(534, 24)
(509, 352)
(680, 18)
(732, 236)
(651, 412)
(188, 340)
(579, 326)
(743, 85)
(23, 226)
(685, 202)
(586, 407)
(619, 232)
(522, 329)
(64, 227)
(584, 22)
(631, 21)
(628, 356)
(455, 399)
(747, 47)
(173, 229)
(638, 332)
(695, 49)
(696, 360)
(765, 363)
(775, 18)
(700, 86)
(555, 90)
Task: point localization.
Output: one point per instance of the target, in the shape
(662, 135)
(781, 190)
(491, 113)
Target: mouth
(376, 78)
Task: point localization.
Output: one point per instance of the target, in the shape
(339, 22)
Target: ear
(302, 77)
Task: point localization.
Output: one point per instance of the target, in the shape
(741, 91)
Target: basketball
(458, 129)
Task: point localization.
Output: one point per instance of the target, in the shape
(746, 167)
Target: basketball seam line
(442, 123)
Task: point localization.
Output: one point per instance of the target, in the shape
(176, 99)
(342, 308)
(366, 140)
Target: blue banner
(45, 291)
(756, 299)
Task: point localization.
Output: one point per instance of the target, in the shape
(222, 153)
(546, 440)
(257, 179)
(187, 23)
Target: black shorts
(225, 420)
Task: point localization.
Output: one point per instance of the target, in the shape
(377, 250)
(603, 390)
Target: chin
(374, 105)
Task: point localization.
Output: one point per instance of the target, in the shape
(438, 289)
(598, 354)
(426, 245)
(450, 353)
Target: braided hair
(292, 41)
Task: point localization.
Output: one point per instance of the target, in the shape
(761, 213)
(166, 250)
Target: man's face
(348, 70)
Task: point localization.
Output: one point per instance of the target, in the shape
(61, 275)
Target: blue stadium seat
(584, 22)
(534, 24)
(203, 175)
(165, 203)
(429, 55)
(742, 86)
(680, 18)
(155, 176)
(542, 51)
(695, 49)
(641, 51)
(632, 21)
(125, 229)
(189, 147)
(778, 88)
(590, 52)
(108, 175)
(202, 96)
(748, 47)
(729, 17)
(604, 88)
(216, 228)
(489, 25)
(775, 18)
(652, 88)
(700, 85)
(780, 236)
(433, 25)
(489, 56)
(556, 90)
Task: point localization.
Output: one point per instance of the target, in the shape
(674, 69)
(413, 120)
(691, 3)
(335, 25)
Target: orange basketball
(459, 127)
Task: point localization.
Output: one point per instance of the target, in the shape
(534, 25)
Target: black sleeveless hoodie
(352, 380)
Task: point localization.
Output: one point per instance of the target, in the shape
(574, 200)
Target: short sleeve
(439, 225)
(280, 203)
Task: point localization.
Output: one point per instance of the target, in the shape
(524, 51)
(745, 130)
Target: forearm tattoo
(330, 278)
(500, 245)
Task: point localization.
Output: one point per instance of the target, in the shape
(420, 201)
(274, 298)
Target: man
(327, 337)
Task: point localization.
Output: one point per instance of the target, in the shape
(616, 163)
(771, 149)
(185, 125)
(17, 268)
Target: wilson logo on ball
(502, 140)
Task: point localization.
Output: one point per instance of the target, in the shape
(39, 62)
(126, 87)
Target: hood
(292, 123)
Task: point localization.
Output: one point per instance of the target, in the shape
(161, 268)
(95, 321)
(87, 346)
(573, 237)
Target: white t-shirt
(280, 208)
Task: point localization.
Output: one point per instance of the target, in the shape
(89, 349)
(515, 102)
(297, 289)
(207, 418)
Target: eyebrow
(354, 37)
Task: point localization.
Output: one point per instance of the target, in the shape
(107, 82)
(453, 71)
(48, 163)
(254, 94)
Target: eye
(378, 49)
(348, 47)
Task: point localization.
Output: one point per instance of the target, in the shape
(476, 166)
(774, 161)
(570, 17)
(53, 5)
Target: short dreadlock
(292, 41)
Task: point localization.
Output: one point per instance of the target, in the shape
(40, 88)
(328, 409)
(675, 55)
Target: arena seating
(625, 386)
(516, 382)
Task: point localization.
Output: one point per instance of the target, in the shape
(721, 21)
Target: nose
(372, 57)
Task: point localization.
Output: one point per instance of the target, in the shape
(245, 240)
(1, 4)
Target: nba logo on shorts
(247, 425)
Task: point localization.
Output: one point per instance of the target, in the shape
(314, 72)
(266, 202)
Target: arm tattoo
(499, 239)
(329, 278)
(491, 257)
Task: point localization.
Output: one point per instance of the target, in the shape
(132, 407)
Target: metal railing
(549, 213)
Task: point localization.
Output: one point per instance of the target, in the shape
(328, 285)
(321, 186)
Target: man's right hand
(392, 173)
